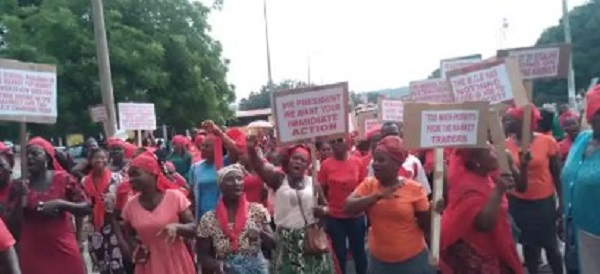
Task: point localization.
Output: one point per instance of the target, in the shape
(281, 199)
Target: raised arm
(266, 172)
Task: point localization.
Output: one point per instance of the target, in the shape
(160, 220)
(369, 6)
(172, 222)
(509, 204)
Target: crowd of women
(224, 202)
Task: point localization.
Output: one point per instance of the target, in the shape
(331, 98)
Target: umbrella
(260, 124)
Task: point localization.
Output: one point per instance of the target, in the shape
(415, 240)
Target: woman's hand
(525, 158)
(320, 211)
(251, 142)
(169, 232)
(50, 207)
(211, 127)
(439, 206)
(505, 181)
(109, 202)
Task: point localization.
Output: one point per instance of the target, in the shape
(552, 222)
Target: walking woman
(398, 212)
(234, 230)
(339, 176)
(295, 207)
(155, 220)
(476, 233)
(117, 152)
(100, 186)
(180, 157)
(533, 205)
(569, 122)
(9, 262)
(10, 191)
(582, 184)
(47, 243)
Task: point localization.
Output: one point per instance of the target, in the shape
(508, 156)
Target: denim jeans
(352, 230)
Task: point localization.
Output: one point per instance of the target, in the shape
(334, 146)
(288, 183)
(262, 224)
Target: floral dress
(103, 245)
(249, 258)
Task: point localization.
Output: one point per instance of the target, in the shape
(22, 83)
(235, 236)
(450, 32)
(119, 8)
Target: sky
(373, 44)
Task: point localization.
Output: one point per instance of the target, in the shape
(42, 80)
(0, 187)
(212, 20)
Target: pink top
(164, 257)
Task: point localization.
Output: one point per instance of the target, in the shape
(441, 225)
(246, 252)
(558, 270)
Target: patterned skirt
(105, 251)
(463, 259)
(247, 264)
(289, 258)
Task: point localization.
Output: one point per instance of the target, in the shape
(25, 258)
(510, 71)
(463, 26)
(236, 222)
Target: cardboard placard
(431, 91)
(445, 125)
(448, 65)
(137, 116)
(366, 120)
(390, 110)
(27, 92)
(311, 113)
(99, 113)
(541, 62)
(495, 82)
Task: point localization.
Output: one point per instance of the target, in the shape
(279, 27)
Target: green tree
(262, 98)
(160, 52)
(585, 33)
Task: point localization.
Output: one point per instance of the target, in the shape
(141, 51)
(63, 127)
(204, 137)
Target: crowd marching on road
(224, 201)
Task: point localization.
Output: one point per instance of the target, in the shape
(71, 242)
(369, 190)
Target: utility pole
(270, 84)
(104, 67)
(571, 77)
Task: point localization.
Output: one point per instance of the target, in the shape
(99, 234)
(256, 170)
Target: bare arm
(267, 236)
(555, 169)
(267, 173)
(205, 259)
(187, 226)
(424, 221)
(486, 219)
(355, 204)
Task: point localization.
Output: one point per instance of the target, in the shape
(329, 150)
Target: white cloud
(372, 44)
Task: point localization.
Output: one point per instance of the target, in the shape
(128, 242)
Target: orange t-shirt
(540, 184)
(394, 235)
(340, 178)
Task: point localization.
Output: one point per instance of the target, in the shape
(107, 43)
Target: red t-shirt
(341, 178)
(253, 187)
(6, 239)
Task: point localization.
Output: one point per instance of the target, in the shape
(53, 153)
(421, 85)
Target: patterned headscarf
(227, 170)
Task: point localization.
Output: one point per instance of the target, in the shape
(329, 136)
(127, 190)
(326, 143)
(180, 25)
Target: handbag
(315, 238)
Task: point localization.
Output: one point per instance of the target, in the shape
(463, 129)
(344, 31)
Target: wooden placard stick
(436, 218)
(498, 138)
(526, 132)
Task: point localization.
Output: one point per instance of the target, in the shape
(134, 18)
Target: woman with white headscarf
(234, 230)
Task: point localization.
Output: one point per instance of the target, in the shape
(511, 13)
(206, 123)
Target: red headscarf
(199, 140)
(48, 148)
(394, 146)
(593, 102)
(239, 137)
(128, 148)
(519, 113)
(467, 194)
(148, 162)
(217, 150)
(373, 132)
(180, 141)
(567, 115)
(96, 191)
(3, 147)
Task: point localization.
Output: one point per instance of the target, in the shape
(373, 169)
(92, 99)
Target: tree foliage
(585, 33)
(160, 52)
(262, 98)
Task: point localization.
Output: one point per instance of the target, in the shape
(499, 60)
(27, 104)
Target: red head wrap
(567, 115)
(394, 146)
(148, 162)
(180, 141)
(373, 131)
(217, 150)
(129, 149)
(3, 147)
(199, 140)
(519, 113)
(238, 136)
(593, 102)
(113, 142)
(48, 148)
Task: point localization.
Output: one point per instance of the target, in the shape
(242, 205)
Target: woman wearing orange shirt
(398, 212)
(339, 176)
(533, 205)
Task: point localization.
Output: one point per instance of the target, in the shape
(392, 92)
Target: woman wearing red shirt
(340, 175)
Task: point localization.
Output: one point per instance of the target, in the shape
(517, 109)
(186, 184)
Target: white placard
(392, 110)
(447, 128)
(310, 113)
(137, 116)
(491, 84)
(99, 113)
(449, 65)
(370, 123)
(27, 92)
(431, 91)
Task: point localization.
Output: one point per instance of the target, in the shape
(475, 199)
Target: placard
(137, 116)
(431, 91)
(446, 125)
(495, 82)
(310, 113)
(366, 120)
(589, 248)
(448, 65)
(390, 110)
(541, 62)
(99, 113)
(27, 92)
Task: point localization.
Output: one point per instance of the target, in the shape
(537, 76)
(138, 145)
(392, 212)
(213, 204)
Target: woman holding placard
(398, 212)
(533, 204)
(582, 183)
(298, 205)
(476, 232)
